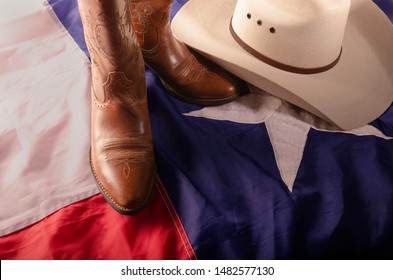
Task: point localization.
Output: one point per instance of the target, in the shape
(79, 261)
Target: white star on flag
(287, 126)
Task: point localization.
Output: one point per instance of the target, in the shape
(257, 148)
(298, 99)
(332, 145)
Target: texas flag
(254, 179)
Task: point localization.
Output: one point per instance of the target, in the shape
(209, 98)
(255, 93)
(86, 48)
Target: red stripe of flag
(91, 229)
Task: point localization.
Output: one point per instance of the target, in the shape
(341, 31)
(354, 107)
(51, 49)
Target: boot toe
(134, 194)
(131, 200)
(129, 190)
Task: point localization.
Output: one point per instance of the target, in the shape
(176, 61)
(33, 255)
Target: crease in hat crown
(305, 34)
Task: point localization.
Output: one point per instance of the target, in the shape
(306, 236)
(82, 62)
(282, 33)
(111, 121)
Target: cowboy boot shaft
(107, 30)
(161, 51)
(117, 63)
(151, 21)
(109, 37)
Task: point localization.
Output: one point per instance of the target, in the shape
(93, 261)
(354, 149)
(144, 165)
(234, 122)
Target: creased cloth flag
(254, 179)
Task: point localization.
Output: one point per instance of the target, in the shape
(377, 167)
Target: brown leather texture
(121, 156)
(186, 75)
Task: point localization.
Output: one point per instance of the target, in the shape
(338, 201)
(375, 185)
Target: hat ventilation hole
(249, 16)
(259, 22)
(272, 30)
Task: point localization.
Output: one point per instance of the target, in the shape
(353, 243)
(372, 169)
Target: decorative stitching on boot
(119, 88)
(120, 29)
(142, 18)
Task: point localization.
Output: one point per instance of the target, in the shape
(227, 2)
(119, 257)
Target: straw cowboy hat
(332, 58)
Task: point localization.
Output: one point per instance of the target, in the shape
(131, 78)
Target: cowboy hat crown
(292, 35)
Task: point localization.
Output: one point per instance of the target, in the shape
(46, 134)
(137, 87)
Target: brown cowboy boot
(121, 156)
(186, 75)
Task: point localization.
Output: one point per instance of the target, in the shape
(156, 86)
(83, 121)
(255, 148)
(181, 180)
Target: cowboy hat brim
(356, 91)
